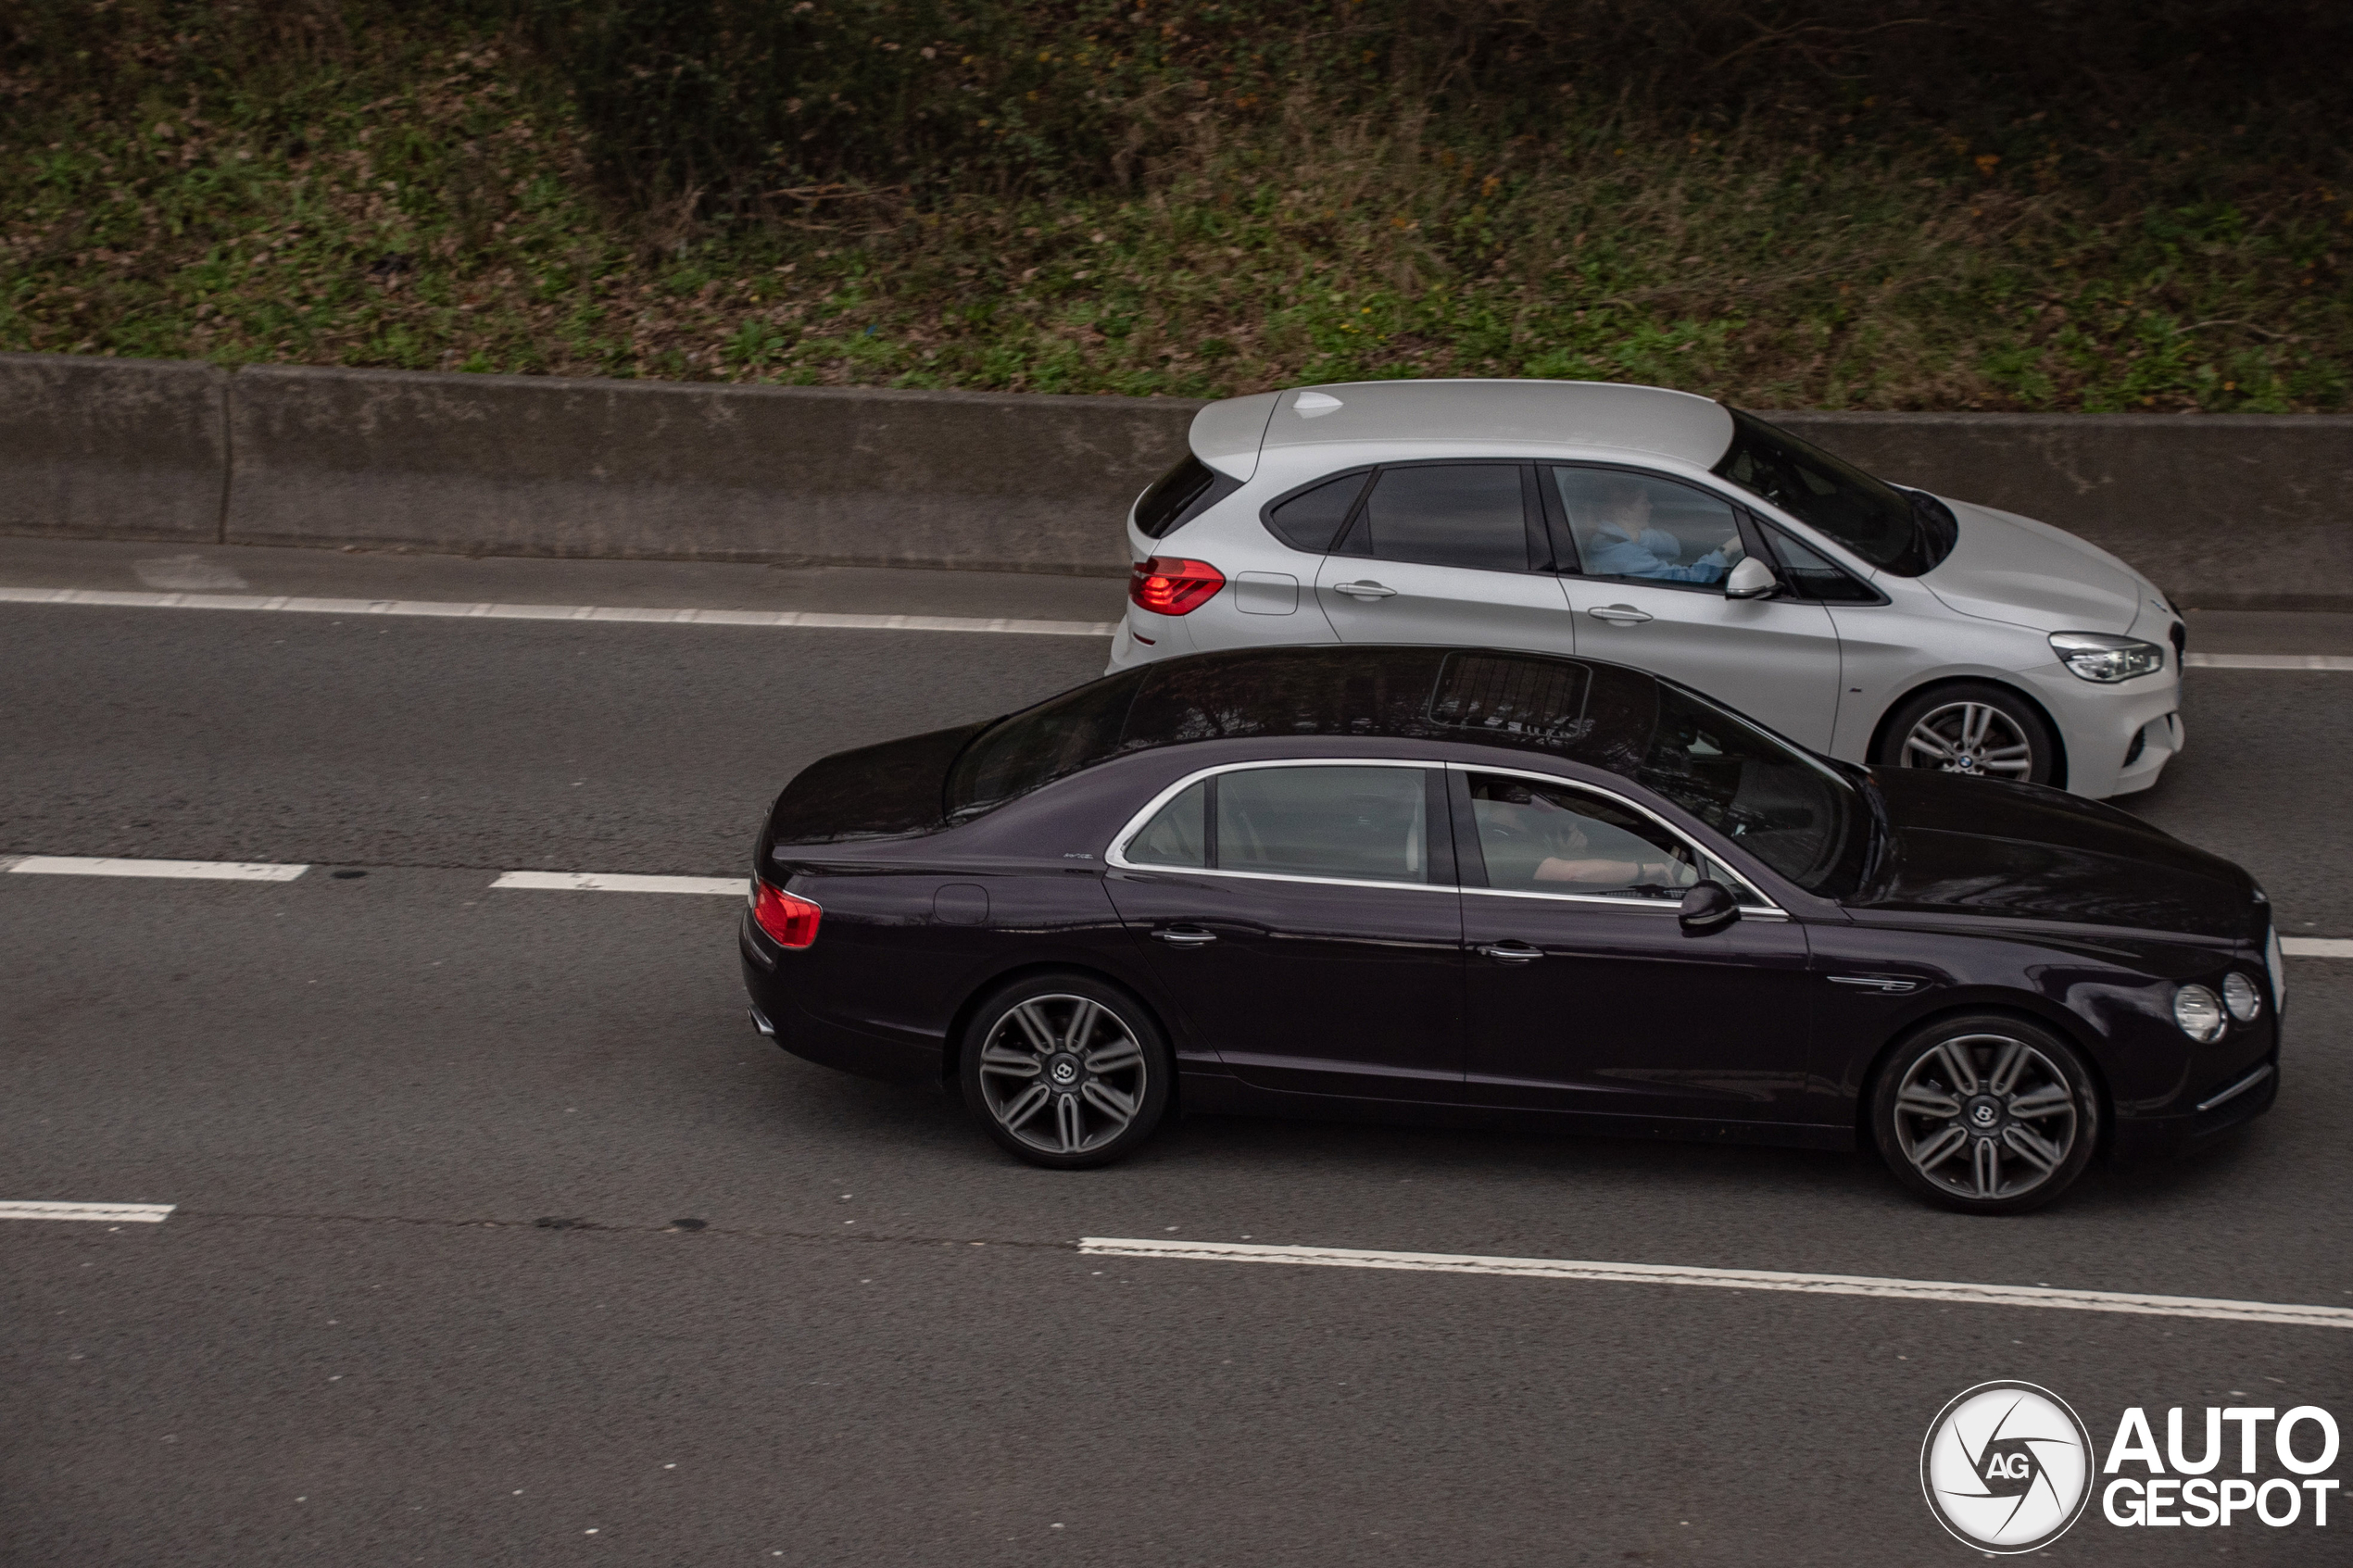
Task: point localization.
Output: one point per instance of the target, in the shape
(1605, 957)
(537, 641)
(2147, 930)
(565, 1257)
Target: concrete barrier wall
(532, 464)
(2223, 511)
(112, 449)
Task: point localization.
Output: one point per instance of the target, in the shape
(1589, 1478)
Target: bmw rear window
(1179, 495)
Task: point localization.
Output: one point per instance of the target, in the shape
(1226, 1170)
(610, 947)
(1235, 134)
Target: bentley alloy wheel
(1066, 1072)
(1988, 1115)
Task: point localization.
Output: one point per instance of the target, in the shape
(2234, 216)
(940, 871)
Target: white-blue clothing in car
(1611, 552)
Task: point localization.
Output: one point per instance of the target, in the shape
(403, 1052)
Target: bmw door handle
(1511, 952)
(1620, 615)
(1184, 935)
(1366, 590)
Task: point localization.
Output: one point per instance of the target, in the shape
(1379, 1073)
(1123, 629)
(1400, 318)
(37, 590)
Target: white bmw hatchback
(1670, 533)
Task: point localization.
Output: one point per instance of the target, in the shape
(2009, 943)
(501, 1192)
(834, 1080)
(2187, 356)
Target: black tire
(1933, 730)
(1058, 1102)
(1953, 1128)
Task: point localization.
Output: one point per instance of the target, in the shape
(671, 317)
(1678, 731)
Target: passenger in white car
(1622, 543)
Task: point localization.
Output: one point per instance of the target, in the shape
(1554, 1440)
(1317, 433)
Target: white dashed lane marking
(194, 870)
(112, 1213)
(1730, 1279)
(613, 882)
(619, 882)
(449, 609)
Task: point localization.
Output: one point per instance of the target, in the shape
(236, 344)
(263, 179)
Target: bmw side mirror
(1752, 578)
(1708, 907)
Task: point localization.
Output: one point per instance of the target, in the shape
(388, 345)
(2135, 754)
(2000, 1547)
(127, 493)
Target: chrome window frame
(1115, 854)
(1763, 909)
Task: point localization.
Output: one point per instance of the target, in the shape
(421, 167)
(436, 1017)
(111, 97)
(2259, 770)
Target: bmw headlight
(2095, 655)
(2199, 1012)
(2240, 994)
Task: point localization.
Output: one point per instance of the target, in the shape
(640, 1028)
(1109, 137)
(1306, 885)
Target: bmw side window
(1363, 825)
(1636, 527)
(1472, 515)
(1311, 520)
(1537, 838)
(1812, 575)
(1179, 833)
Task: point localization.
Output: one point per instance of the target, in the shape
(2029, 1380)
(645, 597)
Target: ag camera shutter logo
(2007, 1467)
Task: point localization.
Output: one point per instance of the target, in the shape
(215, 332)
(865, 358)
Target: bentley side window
(1640, 529)
(1362, 824)
(1446, 514)
(1540, 838)
(1179, 833)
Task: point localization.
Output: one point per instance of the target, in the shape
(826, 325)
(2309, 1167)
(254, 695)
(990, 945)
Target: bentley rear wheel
(1064, 1071)
(1988, 1115)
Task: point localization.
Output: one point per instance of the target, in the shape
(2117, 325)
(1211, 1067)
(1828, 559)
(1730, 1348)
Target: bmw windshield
(1904, 532)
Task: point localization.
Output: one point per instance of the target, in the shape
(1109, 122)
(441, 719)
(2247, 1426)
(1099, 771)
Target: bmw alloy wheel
(1987, 1119)
(1971, 737)
(1062, 1074)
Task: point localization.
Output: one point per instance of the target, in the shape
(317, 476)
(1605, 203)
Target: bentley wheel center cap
(1063, 1071)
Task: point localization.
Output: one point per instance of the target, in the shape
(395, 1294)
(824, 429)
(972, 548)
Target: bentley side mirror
(1708, 907)
(1752, 578)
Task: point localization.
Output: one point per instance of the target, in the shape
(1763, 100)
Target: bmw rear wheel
(1974, 728)
(1988, 1115)
(1066, 1071)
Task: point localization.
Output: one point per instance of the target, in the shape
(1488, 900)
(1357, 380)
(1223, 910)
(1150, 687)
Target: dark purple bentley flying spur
(1476, 886)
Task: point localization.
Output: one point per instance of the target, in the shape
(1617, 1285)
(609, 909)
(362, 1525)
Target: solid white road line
(2267, 661)
(113, 1213)
(2317, 946)
(192, 871)
(821, 619)
(607, 881)
(1731, 1279)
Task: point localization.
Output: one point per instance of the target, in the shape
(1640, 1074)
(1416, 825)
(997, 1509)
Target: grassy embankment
(1251, 198)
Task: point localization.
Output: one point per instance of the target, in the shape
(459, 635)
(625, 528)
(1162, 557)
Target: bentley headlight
(2199, 1012)
(2239, 994)
(2095, 655)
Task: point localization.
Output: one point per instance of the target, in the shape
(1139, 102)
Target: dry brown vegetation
(334, 182)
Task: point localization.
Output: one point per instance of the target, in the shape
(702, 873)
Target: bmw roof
(1604, 414)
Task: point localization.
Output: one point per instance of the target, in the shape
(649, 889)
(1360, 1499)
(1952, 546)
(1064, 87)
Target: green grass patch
(433, 189)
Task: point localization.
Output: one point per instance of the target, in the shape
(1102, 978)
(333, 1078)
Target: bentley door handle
(1511, 952)
(1185, 936)
(1367, 590)
(1620, 615)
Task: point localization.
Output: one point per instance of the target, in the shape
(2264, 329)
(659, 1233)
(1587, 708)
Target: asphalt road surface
(501, 1238)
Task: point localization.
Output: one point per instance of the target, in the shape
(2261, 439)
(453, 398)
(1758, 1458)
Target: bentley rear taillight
(1172, 586)
(791, 922)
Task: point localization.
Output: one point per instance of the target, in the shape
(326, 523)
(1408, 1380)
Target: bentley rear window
(1535, 699)
(1035, 747)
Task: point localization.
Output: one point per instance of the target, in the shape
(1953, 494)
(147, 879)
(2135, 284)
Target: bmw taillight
(1172, 586)
(792, 922)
